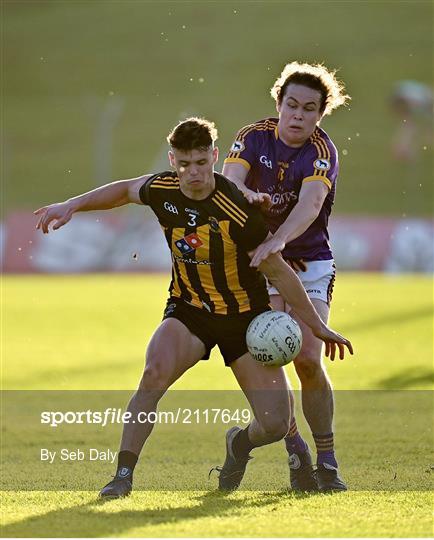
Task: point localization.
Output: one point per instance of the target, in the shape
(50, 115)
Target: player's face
(299, 113)
(195, 171)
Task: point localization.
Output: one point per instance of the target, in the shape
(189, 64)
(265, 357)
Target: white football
(274, 338)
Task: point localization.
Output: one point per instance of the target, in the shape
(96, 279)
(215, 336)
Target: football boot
(233, 468)
(120, 486)
(328, 478)
(302, 475)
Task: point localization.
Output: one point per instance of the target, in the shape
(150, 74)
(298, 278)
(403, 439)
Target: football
(274, 338)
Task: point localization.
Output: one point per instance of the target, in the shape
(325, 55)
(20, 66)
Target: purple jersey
(280, 171)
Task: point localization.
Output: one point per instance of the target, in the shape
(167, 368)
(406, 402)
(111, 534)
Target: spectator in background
(412, 102)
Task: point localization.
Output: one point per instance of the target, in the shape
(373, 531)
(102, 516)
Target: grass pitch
(89, 332)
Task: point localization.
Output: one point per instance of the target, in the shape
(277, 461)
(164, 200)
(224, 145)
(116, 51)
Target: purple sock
(294, 441)
(327, 457)
(325, 449)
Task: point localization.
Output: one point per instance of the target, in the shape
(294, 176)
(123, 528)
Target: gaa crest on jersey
(237, 146)
(214, 224)
(188, 243)
(170, 207)
(322, 164)
(283, 166)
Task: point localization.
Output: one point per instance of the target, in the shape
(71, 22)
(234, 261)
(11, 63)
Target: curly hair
(193, 134)
(315, 76)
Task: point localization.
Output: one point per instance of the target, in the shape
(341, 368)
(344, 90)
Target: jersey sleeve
(320, 163)
(161, 179)
(243, 149)
(144, 191)
(254, 232)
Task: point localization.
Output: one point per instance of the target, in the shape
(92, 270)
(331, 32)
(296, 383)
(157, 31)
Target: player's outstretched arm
(237, 174)
(102, 198)
(303, 214)
(292, 291)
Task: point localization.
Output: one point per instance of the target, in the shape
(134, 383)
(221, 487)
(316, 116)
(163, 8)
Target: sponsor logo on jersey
(283, 198)
(188, 243)
(192, 211)
(237, 146)
(192, 261)
(214, 224)
(322, 164)
(170, 207)
(265, 161)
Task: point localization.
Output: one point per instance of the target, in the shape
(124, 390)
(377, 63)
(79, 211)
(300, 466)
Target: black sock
(126, 462)
(241, 444)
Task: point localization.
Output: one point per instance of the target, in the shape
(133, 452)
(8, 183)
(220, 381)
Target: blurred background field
(91, 89)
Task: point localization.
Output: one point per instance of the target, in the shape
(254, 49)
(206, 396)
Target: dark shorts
(228, 332)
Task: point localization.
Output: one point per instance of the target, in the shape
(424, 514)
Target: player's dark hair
(315, 76)
(193, 134)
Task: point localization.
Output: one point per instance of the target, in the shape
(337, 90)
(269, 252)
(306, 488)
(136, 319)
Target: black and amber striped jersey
(209, 241)
(280, 170)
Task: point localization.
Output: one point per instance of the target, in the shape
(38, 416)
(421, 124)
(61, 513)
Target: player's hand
(263, 200)
(273, 245)
(332, 341)
(60, 213)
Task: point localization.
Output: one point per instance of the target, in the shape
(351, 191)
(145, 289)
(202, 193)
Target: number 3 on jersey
(192, 220)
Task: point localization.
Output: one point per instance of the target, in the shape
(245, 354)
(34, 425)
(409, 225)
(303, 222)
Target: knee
(154, 378)
(275, 429)
(308, 367)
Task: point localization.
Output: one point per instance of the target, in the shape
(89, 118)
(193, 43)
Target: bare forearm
(291, 289)
(102, 198)
(311, 199)
(299, 220)
(240, 184)
(236, 174)
(109, 196)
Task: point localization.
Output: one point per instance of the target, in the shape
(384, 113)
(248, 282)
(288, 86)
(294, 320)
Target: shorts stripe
(331, 285)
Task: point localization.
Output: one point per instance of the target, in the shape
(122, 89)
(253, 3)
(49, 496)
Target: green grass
(75, 332)
(65, 62)
(90, 332)
(199, 514)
